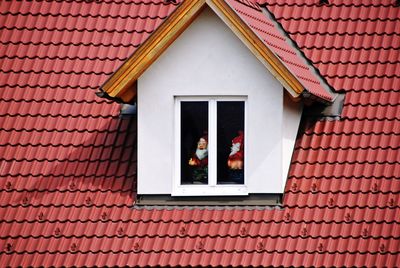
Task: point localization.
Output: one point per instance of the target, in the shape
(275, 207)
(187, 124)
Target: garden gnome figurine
(236, 158)
(199, 161)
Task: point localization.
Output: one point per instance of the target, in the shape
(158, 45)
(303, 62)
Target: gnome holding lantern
(236, 159)
(199, 161)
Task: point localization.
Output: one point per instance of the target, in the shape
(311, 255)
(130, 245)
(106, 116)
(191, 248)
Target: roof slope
(67, 162)
(267, 30)
(256, 30)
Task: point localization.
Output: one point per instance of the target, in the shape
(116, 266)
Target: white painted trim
(176, 148)
(212, 142)
(212, 189)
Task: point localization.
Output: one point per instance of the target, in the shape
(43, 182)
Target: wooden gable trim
(257, 47)
(120, 84)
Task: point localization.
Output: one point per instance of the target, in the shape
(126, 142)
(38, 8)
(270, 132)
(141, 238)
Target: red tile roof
(267, 30)
(67, 161)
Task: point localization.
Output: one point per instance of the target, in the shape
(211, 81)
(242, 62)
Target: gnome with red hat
(199, 161)
(236, 158)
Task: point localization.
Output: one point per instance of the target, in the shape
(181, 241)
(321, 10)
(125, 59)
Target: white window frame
(212, 188)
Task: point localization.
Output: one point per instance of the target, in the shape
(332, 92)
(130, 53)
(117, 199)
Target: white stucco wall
(209, 60)
(290, 126)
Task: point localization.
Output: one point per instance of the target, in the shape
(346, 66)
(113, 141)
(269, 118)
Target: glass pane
(230, 142)
(194, 142)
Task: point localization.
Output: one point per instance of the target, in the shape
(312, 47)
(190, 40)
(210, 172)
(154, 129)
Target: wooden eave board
(119, 85)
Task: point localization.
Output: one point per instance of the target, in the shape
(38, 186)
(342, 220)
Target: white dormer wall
(209, 60)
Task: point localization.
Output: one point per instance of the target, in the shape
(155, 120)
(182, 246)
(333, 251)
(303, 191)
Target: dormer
(219, 102)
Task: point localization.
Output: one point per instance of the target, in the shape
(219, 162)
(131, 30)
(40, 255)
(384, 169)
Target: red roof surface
(67, 161)
(275, 40)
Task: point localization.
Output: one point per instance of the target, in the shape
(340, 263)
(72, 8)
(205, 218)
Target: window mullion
(212, 150)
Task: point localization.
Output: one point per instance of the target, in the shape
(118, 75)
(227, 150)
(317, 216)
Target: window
(210, 146)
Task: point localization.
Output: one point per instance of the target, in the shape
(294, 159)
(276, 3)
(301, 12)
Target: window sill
(207, 190)
(249, 200)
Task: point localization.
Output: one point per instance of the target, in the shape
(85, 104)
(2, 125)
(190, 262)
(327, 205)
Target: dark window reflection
(230, 142)
(194, 142)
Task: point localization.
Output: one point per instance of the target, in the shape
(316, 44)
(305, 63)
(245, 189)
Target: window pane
(194, 142)
(230, 142)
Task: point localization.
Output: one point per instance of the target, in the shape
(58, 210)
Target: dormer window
(207, 88)
(213, 107)
(210, 146)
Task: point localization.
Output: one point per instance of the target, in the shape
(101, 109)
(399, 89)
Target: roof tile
(278, 43)
(68, 164)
